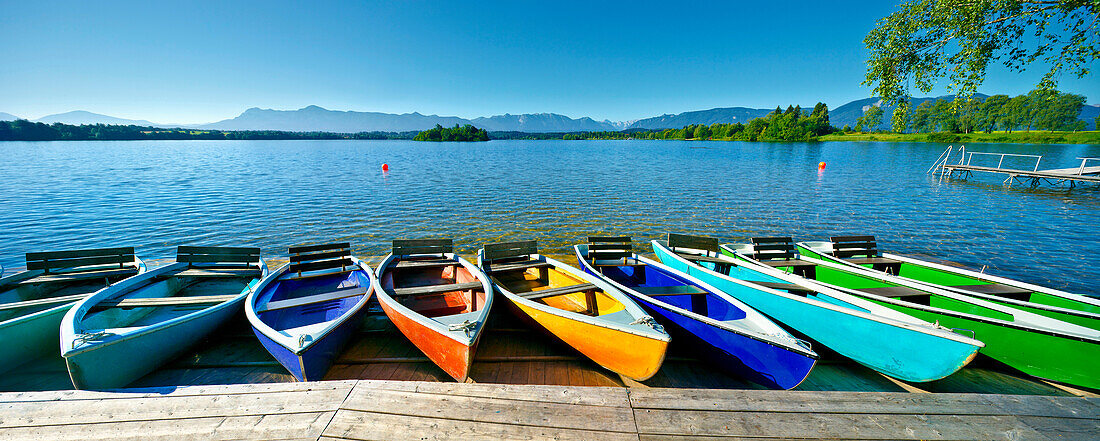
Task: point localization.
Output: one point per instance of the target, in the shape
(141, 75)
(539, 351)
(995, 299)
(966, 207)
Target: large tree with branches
(929, 40)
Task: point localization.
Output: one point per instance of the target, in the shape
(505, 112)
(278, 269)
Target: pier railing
(1081, 170)
(1002, 158)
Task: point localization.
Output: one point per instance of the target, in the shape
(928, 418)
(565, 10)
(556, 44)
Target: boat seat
(895, 292)
(675, 290)
(519, 266)
(82, 275)
(311, 299)
(625, 261)
(435, 289)
(698, 258)
(40, 302)
(782, 286)
(214, 272)
(871, 260)
(786, 263)
(993, 288)
(152, 302)
(407, 264)
(533, 295)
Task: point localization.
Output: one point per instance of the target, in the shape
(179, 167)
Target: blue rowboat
(735, 337)
(33, 302)
(878, 337)
(127, 330)
(304, 312)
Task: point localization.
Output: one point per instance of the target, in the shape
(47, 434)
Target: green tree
(929, 40)
(702, 132)
(1096, 123)
(899, 122)
(871, 118)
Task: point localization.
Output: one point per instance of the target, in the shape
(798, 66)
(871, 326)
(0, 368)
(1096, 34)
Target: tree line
(1038, 110)
(23, 130)
(464, 133)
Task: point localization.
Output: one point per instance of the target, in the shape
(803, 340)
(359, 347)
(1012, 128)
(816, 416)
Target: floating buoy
(821, 164)
(386, 167)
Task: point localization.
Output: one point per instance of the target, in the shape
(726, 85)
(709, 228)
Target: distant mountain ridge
(319, 119)
(8, 117)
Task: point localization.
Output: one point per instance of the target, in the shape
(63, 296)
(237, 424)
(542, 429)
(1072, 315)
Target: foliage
(1039, 109)
(456, 133)
(871, 118)
(23, 130)
(1080, 137)
(927, 40)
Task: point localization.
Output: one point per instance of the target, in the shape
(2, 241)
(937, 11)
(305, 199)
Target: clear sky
(190, 62)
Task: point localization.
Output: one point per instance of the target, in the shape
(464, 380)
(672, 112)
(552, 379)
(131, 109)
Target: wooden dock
(375, 410)
(964, 169)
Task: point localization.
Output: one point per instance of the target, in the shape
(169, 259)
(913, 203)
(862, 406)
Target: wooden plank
(519, 266)
(312, 248)
(669, 290)
(422, 246)
(316, 298)
(295, 258)
(80, 275)
(693, 242)
(435, 289)
(79, 262)
(162, 301)
(46, 301)
(219, 258)
(765, 241)
(495, 251)
(611, 239)
(558, 291)
(179, 391)
(214, 272)
(186, 249)
(320, 265)
(586, 396)
(351, 425)
(832, 426)
(417, 263)
(836, 239)
(268, 427)
(72, 254)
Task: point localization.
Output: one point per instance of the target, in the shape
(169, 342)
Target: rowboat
(304, 312)
(878, 337)
(127, 330)
(1031, 343)
(725, 331)
(863, 251)
(438, 300)
(33, 302)
(581, 310)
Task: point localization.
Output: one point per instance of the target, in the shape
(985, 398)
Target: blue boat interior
(287, 287)
(673, 290)
(38, 291)
(140, 316)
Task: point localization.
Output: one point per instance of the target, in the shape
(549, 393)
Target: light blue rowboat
(33, 302)
(126, 331)
(880, 338)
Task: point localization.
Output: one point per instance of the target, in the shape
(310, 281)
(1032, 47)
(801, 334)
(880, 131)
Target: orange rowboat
(438, 300)
(583, 311)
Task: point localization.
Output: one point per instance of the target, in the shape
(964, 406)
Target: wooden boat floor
(997, 289)
(197, 288)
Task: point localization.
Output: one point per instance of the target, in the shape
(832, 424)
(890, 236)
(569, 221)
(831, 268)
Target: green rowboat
(862, 251)
(1031, 343)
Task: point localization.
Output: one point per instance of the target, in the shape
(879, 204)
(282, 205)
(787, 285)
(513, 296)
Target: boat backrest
(694, 242)
(853, 246)
(509, 250)
(320, 257)
(239, 256)
(48, 261)
(610, 247)
(773, 248)
(406, 247)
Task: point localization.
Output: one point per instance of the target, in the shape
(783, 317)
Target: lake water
(273, 194)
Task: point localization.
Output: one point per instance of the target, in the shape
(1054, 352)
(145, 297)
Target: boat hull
(452, 356)
(31, 336)
(314, 362)
(895, 350)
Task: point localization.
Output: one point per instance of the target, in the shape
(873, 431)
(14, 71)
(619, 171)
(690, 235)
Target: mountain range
(319, 119)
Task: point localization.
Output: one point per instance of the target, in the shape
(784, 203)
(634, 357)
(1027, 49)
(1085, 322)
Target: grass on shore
(1033, 137)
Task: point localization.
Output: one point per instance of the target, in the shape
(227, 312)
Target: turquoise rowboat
(878, 337)
(33, 302)
(862, 251)
(124, 332)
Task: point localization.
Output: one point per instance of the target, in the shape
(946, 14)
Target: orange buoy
(386, 167)
(821, 164)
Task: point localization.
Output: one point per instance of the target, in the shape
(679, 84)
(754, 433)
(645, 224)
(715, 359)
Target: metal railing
(1002, 160)
(1081, 170)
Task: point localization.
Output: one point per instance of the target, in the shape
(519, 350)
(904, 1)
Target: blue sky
(191, 62)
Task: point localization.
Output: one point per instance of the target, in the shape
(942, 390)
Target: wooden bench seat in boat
(676, 290)
(63, 266)
(783, 286)
(896, 292)
(217, 262)
(46, 301)
(435, 263)
(787, 263)
(583, 287)
(863, 250)
(315, 298)
(319, 260)
(162, 301)
(435, 289)
(612, 251)
(700, 258)
(993, 288)
(779, 252)
(525, 265)
(214, 272)
(514, 256)
(82, 275)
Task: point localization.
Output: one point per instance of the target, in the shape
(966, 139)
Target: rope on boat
(649, 321)
(466, 326)
(88, 338)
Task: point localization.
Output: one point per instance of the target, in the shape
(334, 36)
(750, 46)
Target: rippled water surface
(272, 194)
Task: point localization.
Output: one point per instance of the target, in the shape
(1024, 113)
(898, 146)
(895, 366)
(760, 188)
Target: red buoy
(386, 167)
(821, 164)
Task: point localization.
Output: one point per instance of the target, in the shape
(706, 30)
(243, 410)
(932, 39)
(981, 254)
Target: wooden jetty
(964, 169)
(373, 410)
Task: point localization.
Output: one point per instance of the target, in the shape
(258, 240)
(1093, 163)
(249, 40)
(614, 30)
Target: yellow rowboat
(583, 311)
